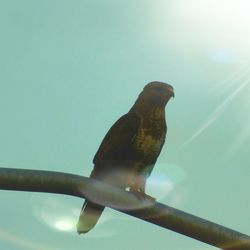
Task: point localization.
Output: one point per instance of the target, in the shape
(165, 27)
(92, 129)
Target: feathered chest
(147, 143)
(151, 137)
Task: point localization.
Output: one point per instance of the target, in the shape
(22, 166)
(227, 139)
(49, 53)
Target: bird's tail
(89, 216)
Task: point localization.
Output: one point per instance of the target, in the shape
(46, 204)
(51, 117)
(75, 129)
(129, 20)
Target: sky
(70, 69)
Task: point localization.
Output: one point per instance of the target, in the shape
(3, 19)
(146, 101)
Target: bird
(129, 150)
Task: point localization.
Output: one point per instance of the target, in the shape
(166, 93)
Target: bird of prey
(129, 150)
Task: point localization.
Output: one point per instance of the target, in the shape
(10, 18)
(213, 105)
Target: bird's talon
(142, 196)
(150, 198)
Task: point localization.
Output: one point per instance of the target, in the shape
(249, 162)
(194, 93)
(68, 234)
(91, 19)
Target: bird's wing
(118, 144)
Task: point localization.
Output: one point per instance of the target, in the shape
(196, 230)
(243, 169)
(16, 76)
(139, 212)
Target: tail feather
(89, 216)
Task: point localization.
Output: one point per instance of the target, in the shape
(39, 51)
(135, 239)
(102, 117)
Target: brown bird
(129, 150)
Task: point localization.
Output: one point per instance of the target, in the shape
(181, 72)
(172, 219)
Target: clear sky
(69, 69)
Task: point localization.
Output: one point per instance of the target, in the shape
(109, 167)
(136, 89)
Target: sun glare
(218, 28)
(227, 13)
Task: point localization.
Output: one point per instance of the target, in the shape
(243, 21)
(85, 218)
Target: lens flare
(64, 225)
(217, 112)
(164, 179)
(160, 183)
(242, 137)
(54, 212)
(62, 215)
(236, 77)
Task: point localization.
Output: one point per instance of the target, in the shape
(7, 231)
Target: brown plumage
(129, 150)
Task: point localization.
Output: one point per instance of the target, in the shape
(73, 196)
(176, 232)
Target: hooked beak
(171, 90)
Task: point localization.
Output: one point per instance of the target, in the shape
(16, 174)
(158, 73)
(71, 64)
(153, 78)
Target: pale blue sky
(69, 69)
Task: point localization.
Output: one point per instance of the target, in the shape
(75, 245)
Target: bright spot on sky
(221, 55)
(55, 212)
(60, 214)
(64, 225)
(163, 180)
(60, 222)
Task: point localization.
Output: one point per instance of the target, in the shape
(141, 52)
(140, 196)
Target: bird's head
(157, 93)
